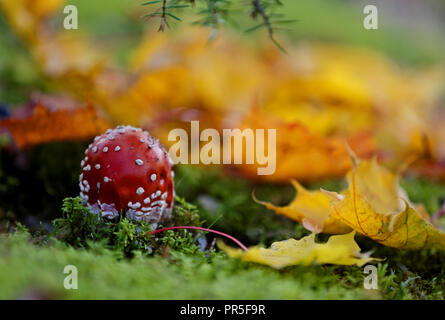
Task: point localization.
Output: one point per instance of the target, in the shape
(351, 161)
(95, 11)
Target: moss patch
(118, 260)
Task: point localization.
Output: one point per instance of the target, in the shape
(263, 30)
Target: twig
(163, 16)
(259, 9)
(203, 229)
(438, 214)
(212, 247)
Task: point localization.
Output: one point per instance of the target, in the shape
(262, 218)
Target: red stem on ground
(203, 229)
(438, 214)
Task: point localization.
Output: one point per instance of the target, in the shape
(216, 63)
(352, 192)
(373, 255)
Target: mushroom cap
(126, 169)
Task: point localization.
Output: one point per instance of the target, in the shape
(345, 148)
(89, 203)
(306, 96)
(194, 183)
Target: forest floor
(117, 262)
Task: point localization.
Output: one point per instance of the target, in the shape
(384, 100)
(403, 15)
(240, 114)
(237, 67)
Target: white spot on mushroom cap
(159, 202)
(97, 166)
(87, 168)
(139, 162)
(94, 149)
(105, 149)
(142, 140)
(134, 206)
(147, 200)
(140, 190)
(106, 179)
(153, 177)
(117, 148)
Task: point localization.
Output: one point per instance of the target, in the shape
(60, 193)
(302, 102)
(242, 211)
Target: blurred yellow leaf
(340, 250)
(317, 96)
(302, 153)
(25, 16)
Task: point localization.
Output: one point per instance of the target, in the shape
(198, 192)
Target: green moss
(80, 228)
(228, 200)
(429, 193)
(172, 275)
(117, 259)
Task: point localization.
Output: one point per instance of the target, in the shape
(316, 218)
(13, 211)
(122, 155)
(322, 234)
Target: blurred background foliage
(410, 33)
(34, 182)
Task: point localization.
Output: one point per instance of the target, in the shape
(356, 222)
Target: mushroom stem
(203, 229)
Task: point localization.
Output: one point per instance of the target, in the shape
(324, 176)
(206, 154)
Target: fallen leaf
(300, 153)
(376, 206)
(339, 249)
(373, 204)
(311, 208)
(59, 125)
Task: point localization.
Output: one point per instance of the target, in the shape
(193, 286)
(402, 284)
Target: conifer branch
(216, 12)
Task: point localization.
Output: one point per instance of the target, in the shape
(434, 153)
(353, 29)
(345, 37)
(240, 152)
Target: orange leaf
(302, 154)
(60, 125)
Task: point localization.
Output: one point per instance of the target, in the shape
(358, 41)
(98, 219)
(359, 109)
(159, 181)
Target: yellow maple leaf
(311, 208)
(339, 249)
(373, 204)
(376, 206)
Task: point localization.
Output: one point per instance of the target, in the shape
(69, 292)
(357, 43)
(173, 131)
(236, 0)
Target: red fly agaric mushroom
(127, 170)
